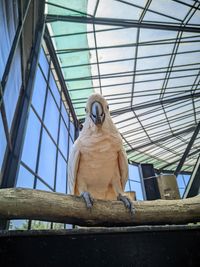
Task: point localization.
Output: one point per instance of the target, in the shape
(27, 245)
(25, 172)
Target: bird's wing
(73, 164)
(123, 167)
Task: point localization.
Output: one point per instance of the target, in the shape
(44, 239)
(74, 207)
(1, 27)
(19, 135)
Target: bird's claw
(88, 199)
(127, 203)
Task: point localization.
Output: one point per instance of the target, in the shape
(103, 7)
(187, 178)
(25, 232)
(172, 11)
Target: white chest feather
(98, 161)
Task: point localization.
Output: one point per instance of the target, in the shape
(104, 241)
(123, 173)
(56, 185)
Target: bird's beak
(97, 113)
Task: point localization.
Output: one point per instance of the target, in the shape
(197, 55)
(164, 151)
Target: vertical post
(193, 187)
(185, 154)
(149, 182)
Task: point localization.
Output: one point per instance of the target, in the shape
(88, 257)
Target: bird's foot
(127, 203)
(88, 199)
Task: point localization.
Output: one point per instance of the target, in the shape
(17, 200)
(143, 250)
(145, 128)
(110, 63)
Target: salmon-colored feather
(98, 162)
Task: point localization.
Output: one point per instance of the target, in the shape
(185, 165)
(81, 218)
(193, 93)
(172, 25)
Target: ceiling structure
(143, 56)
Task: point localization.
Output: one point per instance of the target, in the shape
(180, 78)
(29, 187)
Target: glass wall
(3, 142)
(182, 180)
(49, 135)
(10, 71)
(134, 182)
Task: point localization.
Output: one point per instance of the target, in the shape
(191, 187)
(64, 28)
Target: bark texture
(20, 203)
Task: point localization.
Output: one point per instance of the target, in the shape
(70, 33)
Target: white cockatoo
(98, 166)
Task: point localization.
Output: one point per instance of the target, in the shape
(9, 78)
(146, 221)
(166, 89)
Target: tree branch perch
(19, 203)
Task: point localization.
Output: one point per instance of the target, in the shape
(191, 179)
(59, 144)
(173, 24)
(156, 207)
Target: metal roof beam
(130, 59)
(152, 43)
(114, 76)
(175, 161)
(155, 103)
(132, 73)
(123, 23)
(67, 8)
(177, 43)
(162, 139)
(180, 165)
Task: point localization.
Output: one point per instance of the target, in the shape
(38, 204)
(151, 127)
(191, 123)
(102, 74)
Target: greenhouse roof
(143, 56)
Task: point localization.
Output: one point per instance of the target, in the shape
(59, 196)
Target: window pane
(42, 186)
(71, 137)
(39, 92)
(58, 226)
(180, 181)
(39, 225)
(51, 116)
(54, 89)
(181, 191)
(8, 22)
(70, 144)
(47, 159)
(2, 142)
(127, 186)
(135, 186)
(18, 225)
(186, 178)
(61, 175)
(13, 86)
(65, 115)
(43, 63)
(29, 154)
(25, 178)
(134, 181)
(133, 173)
(72, 130)
(63, 141)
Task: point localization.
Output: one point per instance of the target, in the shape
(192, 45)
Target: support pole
(180, 165)
(122, 23)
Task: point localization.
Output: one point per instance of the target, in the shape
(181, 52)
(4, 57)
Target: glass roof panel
(117, 9)
(117, 37)
(152, 62)
(195, 18)
(69, 7)
(171, 8)
(132, 52)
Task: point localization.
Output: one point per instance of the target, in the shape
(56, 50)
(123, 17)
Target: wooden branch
(18, 203)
